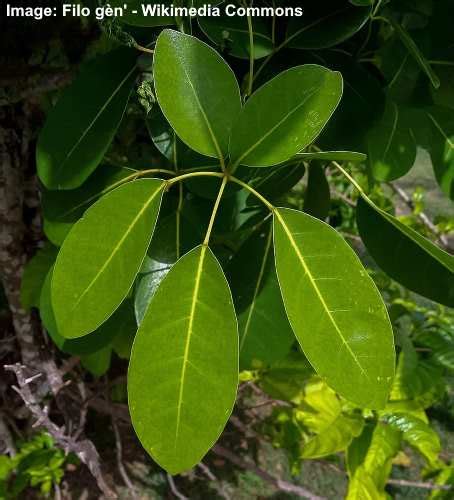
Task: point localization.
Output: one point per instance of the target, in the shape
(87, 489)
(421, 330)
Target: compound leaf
(285, 115)
(334, 307)
(200, 101)
(101, 256)
(183, 372)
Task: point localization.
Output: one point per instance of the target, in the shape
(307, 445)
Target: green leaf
(81, 126)
(371, 476)
(334, 307)
(275, 182)
(334, 156)
(441, 147)
(68, 206)
(187, 345)
(285, 378)
(321, 412)
(418, 434)
(327, 23)
(97, 363)
(285, 115)
(34, 275)
(317, 199)
(414, 50)
(101, 256)
(356, 452)
(444, 478)
(200, 101)
(232, 35)
(405, 255)
(120, 323)
(264, 330)
(391, 144)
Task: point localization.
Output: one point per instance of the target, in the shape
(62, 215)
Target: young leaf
(200, 101)
(183, 372)
(326, 24)
(285, 115)
(391, 144)
(370, 477)
(405, 255)
(418, 434)
(321, 413)
(265, 333)
(101, 256)
(81, 126)
(334, 307)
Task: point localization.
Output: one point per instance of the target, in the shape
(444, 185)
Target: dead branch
(423, 217)
(84, 449)
(121, 468)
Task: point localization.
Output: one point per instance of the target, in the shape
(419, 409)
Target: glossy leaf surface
(101, 256)
(199, 101)
(405, 255)
(334, 308)
(391, 144)
(285, 115)
(81, 126)
(183, 372)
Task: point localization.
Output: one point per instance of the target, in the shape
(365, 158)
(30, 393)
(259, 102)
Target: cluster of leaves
(187, 245)
(38, 463)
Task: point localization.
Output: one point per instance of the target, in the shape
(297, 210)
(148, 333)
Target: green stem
(353, 182)
(182, 177)
(225, 179)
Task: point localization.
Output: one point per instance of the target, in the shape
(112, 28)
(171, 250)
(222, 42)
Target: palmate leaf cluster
(200, 259)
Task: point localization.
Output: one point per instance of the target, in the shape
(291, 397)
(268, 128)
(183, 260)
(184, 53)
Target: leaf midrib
(265, 136)
(204, 115)
(116, 248)
(317, 291)
(98, 114)
(190, 330)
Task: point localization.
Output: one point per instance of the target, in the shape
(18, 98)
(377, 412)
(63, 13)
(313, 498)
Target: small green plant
(38, 464)
(201, 256)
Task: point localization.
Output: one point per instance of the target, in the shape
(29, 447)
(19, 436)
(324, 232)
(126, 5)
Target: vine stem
(225, 179)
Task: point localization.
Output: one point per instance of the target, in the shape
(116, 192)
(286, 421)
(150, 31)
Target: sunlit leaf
(334, 307)
(101, 256)
(183, 372)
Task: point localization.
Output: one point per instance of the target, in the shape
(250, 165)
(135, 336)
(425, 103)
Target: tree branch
(85, 450)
